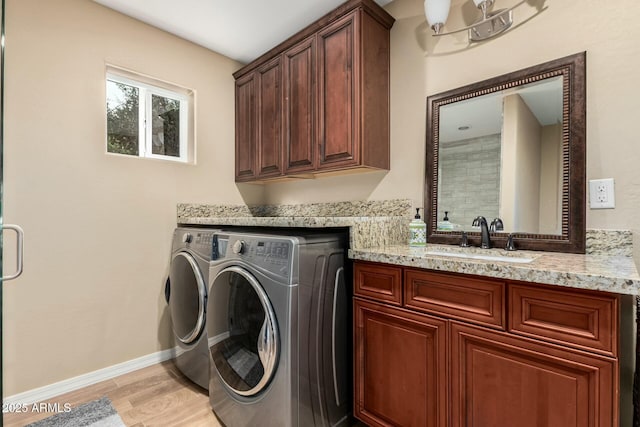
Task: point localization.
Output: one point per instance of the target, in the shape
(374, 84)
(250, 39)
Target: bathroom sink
(498, 258)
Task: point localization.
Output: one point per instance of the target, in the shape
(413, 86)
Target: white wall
(97, 226)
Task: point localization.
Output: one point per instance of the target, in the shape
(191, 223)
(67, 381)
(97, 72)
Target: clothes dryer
(186, 295)
(278, 326)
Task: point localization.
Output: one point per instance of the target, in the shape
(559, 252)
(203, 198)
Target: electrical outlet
(601, 194)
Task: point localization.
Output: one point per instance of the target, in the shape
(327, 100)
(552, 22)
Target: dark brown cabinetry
(259, 123)
(501, 380)
(401, 362)
(300, 107)
(512, 354)
(587, 321)
(319, 101)
(246, 127)
(269, 119)
(338, 95)
(472, 299)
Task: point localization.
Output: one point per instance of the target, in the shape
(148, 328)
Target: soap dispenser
(417, 231)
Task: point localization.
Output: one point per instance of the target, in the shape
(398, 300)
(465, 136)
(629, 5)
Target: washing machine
(278, 328)
(186, 295)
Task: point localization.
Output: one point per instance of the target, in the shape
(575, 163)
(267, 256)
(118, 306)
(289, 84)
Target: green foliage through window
(122, 118)
(165, 134)
(145, 120)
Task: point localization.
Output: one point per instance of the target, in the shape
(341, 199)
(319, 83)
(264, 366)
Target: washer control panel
(197, 240)
(269, 253)
(275, 252)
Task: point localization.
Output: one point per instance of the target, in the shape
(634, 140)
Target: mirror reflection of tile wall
(469, 179)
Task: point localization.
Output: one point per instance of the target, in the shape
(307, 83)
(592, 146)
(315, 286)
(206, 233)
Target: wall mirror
(511, 147)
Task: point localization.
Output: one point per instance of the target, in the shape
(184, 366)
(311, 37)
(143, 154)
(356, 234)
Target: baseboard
(56, 389)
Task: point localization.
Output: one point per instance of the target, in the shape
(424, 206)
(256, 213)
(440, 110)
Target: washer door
(187, 299)
(245, 351)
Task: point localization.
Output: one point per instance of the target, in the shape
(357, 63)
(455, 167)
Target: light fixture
(437, 12)
(491, 24)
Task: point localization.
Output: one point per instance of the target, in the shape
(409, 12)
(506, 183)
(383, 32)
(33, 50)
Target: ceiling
(239, 29)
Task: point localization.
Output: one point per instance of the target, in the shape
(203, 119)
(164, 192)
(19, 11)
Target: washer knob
(238, 247)
(187, 238)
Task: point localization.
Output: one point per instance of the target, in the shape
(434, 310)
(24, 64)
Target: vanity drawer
(583, 319)
(378, 281)
(459, 297)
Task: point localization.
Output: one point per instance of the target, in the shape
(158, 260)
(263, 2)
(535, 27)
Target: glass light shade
(477, 2)
(437, 11)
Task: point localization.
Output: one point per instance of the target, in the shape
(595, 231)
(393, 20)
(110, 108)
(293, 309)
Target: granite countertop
(617, 274)
(370, 223)
(378, 231)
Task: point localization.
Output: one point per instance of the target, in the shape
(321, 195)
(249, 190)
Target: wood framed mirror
(510, 147)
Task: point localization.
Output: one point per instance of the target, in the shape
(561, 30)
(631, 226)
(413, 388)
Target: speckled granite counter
(616, 274)
(378, 231)
(375, 223)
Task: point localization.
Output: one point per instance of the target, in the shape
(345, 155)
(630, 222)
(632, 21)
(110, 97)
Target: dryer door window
(246, 347)
(187, 297)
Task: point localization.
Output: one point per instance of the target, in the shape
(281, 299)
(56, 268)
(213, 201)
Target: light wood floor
(155, 396)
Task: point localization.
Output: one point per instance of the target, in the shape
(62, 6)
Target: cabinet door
(378, 281)
(477, 300)
(300, 106)
(500, 380)
(246, 127)
(587, 320)
(338, 96)
(270, 119)
(400, 367)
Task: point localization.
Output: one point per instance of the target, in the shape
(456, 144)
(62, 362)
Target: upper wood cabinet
(269, 144)
(319, 101)
(338, 95)
(246, 127)
(259, 122)
(300, 107)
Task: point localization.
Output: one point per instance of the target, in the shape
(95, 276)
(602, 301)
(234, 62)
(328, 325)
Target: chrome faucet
(484, 231)
(496, 225)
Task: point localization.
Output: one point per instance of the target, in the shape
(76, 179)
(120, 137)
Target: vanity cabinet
(498, 379)
(446, 349)
(401, 361)
(319, 102)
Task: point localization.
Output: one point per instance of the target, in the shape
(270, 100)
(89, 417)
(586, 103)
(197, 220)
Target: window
(148, 118)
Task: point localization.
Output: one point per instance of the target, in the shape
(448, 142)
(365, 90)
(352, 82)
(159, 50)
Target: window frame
(147, 88)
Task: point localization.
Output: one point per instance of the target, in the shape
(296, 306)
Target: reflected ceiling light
(491, 24)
